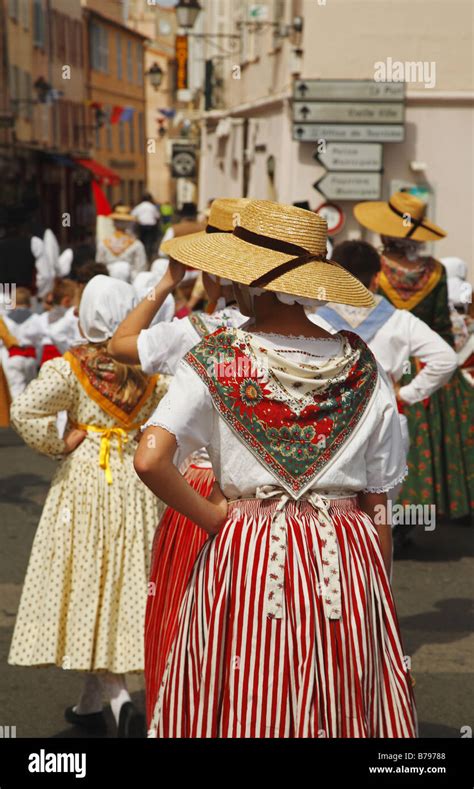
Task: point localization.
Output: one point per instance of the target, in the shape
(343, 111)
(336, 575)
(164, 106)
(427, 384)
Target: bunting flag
(115, 114)
(127, 114)
(168, 112)
(121, 114)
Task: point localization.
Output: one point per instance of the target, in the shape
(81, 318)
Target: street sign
(183, 161)
(354, 156)
(334, 216)
(350, 186)
(348, 112)
(344, 132)
(347, 90)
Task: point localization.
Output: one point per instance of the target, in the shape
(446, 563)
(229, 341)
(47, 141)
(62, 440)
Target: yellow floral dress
(85, 591)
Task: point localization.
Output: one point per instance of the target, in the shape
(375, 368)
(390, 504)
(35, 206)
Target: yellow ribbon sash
(108, 433)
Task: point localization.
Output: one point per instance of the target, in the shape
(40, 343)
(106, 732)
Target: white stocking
(115, 689)
(91, 696)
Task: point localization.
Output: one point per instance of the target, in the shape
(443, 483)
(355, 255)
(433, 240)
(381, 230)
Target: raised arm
(123, 345)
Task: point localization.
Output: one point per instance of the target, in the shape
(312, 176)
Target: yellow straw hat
(122, 212)
(273, 246)
(402, 217)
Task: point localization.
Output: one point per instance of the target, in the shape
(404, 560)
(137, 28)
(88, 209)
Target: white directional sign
(348, 112)
(354, 156)
(344, 132)
(347, 90)
(350, 186)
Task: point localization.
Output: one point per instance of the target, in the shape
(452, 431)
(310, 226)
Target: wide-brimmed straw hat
(276, 247)
(224, 213)
(122, 212)
(403, 216)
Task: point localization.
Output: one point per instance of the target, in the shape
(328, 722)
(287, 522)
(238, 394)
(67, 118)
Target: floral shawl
(294, 416)
(96, 371)
(406, 287)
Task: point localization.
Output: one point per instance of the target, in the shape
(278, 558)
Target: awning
(101, 174)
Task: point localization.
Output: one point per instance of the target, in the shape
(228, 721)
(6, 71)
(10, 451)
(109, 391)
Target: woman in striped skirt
(288, 626)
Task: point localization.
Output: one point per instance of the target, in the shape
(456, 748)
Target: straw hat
(402, 217)
(277, 247)
(122, 212)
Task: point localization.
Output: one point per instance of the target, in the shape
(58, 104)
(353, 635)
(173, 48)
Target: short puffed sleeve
(385, 455)
(162, 346)
(186, 411)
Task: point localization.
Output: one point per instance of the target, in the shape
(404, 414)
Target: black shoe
(131, 722)
(93, 721)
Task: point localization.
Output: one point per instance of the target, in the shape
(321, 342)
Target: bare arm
(154, 465)
(375, 505)
(123, 345)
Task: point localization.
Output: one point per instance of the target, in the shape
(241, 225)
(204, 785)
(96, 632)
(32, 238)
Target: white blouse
(404, 335)
(372, 460)
(163, 345)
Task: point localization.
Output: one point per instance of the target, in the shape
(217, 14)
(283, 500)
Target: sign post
(356, 157)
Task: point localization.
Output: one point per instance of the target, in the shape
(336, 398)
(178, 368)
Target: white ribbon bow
(331, 591)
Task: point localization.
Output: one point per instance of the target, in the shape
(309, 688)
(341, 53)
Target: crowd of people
(231, 421)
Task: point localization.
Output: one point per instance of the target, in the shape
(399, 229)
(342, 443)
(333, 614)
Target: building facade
(158, 24)
(44, 112)
(116, 96)
(247, 145)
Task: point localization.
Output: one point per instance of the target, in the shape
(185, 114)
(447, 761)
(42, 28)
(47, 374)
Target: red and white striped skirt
(176, 545)
(325, 668)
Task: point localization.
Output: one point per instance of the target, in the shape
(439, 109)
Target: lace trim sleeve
(393, 484)
(156, 423)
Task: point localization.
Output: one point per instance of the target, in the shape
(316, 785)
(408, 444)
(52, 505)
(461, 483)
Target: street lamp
(156, 74)
(43, 89)
(187, 12)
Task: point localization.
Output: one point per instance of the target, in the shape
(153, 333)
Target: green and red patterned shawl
(295, 437)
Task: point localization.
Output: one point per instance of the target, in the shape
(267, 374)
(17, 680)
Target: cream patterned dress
(84, 597)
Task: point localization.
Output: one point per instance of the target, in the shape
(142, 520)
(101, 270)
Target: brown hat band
(416, 223)
(267, 242)
(214, 229)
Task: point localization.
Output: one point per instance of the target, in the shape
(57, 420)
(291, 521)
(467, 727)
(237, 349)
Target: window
(121, 137)
(139, 64)
(108, 130)
(80, 58)
(13, 9)
(141, 133)
(71, 41)
(61, 34)
(131, 132)
(82, 123)
(14, 85)
(64, 122)
(25, 14)
(118, 46)
(97, 137)
(75, 125)
(28, 96)
(129, 62)
(38, 23)
(99, 46)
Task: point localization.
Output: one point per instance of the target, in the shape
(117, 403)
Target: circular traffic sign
(334, 216)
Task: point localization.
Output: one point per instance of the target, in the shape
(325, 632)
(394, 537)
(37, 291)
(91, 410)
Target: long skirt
(441, 456)
(176, 545)
(234, 670)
